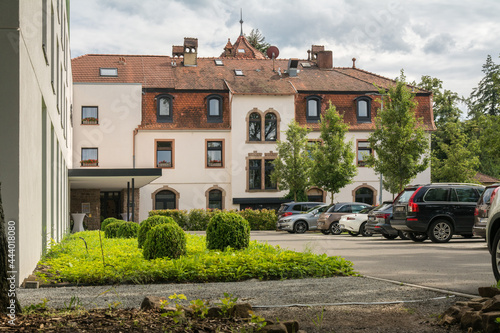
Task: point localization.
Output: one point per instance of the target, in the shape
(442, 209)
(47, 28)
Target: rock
(276, 328)
(291, 325)
(471, 319)
(493, 304)
(475, 305)
(241, 310)
(489, 322)
(214, 312)
(488, 291)
(479, 299)
(450, 316)
(151, 302)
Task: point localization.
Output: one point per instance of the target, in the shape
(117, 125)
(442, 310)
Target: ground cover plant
(121, 261)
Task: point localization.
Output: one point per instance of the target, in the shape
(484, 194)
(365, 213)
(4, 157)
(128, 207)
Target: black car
(482, 209)
(437, 210)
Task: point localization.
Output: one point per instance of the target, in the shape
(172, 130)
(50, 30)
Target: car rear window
(436, 194)
(405, 196)
(283, 208)
(485, 199)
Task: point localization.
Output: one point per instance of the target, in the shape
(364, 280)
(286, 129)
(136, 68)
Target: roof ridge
(120, 55)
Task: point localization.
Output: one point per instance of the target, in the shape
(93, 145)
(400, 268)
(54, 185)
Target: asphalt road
(461, 265)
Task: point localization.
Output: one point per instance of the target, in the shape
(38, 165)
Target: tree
(6, 295)
(445, 104)
(399, 139)
(461, 162)
(486, 129)
(293, 164)
(485, 99)
(333, 166)
(258, 41)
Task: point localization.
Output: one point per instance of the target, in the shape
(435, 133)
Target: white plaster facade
(35, 128)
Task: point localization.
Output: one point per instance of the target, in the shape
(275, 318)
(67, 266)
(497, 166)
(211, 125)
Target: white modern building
(36, 136)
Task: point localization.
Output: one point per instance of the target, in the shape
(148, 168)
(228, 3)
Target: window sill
(259, 142)
(260, 190)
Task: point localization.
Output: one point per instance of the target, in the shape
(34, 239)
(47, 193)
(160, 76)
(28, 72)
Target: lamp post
(381, 186)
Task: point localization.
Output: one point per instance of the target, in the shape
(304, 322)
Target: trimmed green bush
(264, 219)
(107, 221)
(179, 216)
(228, 229)
(165, 240)
(111, 230)
(199, 218)
(149, 223)
(128, 230)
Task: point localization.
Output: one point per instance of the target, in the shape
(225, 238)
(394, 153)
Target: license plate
(400, 208)
(372, 218)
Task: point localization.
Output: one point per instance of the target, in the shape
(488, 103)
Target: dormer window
(238, 72)
(363, 108)
(108, 71)
(313, 111)
(164, 112)
(214, 109)
(218, 62)
(241, 50)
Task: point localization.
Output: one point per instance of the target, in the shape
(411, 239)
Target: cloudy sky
(447, 39)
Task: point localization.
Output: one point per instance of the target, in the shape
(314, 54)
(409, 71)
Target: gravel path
(257, 293)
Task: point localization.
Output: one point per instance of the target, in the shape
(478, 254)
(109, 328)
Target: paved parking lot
(461, 265)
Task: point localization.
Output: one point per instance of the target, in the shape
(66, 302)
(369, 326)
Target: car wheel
(495, 255)
(335, 228)
(403, 235)
(300, 227)
(417, 237)
(326, 232)
(440, 231)
(386, 236)
(353, 233)
(363, 231)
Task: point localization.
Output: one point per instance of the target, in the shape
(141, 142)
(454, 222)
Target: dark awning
(111, 179)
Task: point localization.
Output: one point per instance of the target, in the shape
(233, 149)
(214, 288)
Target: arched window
(215, 199)
(164, 112)
(365, 195)
(214, 109)
(271, 127)
(313, 111)
(165, 200)
(363, 107)
(254, 127)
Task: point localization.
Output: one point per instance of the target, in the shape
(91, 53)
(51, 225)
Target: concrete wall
(35, 132)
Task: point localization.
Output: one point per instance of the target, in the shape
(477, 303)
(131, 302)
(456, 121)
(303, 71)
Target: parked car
(328, 222)
(300, 223)
(355, 224)
(482, 208)
(290, 208)
(437, 210)
(379, 221)
(493, 232)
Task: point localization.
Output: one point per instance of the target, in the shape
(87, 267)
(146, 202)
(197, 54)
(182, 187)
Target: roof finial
(241, 21)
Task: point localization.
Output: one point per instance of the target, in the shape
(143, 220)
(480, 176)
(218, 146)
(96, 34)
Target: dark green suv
(437, 210)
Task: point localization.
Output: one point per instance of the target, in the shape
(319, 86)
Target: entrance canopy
(110, 179)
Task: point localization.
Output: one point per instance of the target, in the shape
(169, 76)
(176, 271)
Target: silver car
(300, 223)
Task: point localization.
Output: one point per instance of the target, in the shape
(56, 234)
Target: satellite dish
(273, 52)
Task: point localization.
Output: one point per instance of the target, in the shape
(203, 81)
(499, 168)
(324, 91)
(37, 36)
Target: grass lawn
(71, 261)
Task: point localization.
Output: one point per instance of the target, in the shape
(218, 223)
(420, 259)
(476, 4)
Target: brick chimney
(190, 51)
(325, 59)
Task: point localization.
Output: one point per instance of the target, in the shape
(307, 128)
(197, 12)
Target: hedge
(197, 219)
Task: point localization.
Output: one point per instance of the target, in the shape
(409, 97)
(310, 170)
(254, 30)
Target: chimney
(190, 51)
(315, 49)
(325, 60)
(293, 64)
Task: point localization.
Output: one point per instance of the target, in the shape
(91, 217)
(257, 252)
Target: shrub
(179, 216)
(149, 223)
(107, 221)
(111, 230)
(228, 229)
(128, 230)
(199, 218)
(264, 219)
(165, 240)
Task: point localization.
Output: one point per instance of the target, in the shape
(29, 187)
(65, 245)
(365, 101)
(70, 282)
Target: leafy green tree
(485, 99)
(486, 129)
(445, 104)
(258, 41)
(293, 164)
(399, 139)
(333, 166)
(461, 162)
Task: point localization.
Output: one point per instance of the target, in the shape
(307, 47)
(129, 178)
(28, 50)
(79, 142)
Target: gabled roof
(241, 49)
